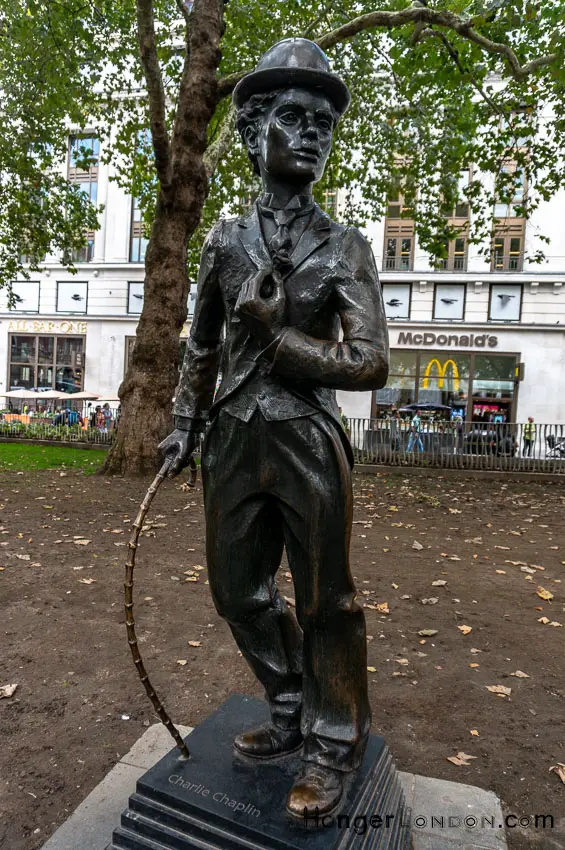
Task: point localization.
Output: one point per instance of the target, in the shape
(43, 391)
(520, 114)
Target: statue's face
(295, 138)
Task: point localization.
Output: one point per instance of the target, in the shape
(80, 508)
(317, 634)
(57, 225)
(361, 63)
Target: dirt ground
(79, 706)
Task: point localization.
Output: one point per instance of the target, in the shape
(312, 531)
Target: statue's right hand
(177, 448)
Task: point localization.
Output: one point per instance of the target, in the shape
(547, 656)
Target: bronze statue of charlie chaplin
(299, 298)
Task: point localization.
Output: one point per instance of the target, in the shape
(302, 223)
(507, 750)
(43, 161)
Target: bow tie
(280, 245)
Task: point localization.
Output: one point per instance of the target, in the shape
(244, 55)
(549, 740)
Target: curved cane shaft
(130, 622)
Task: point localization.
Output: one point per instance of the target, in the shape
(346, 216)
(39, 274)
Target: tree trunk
(147, 390)
(148, 387)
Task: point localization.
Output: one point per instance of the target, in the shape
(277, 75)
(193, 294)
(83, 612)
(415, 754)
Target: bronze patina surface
(286, 282)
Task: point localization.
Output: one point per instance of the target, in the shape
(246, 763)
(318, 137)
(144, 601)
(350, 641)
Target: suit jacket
(333, 285)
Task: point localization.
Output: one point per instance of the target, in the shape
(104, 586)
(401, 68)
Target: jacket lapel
(251, 237)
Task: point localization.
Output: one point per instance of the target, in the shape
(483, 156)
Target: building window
(505, 302)
(135, 298)
(46, 363)
(138, 241)
(399, 246)
(449, 301)
(72, 297)
(330, 203)
(84, 157)
(26, 296)
(397, 297)
(456, 260)
(514, 194)
(507, 250)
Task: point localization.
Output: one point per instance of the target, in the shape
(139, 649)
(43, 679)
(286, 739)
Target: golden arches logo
(441, 369)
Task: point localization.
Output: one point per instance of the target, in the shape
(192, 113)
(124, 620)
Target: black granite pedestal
(218, 800)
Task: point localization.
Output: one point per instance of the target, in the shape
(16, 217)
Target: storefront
(475, 387)
(499, 373)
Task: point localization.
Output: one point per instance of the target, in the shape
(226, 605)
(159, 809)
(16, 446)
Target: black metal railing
(520, 447)
(75, 426)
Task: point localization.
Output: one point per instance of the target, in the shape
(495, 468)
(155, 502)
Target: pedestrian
(100, 419)
(415, 433)
(108, 418)
(74, 418)
(529, 437)
(395, 430)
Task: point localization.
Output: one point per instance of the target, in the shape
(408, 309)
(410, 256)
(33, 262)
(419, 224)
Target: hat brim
(260, 82)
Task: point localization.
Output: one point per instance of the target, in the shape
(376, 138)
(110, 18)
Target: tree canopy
(436, 87)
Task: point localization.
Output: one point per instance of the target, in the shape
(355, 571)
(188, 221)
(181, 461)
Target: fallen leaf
(372, 669)
(544, 620)
(474, 665)
(474, 733)
(81, 542)
(383, 607)
(403, 661)
(501, 572)
(195, 643)
(476, 651)
(24, 557)
(7, 690)
(417, 545)
(87, 580)
(439, 583)
(544, 594)
(428, 632)
(465, 629)
(395, 586)
(559, 769)
(499, 689)
(461, 759)
(502, 547)
(432, 600)
(181, 661)
(518, 674)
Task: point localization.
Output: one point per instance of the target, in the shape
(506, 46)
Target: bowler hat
(293, 62)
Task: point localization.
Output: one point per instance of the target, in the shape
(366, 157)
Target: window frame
(410, 285)
(455, 283)
(130, 284)
(27, 283)
(494, 284)
(35, 363)
(72, 312)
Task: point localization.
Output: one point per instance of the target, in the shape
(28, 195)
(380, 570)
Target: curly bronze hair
(252, 112)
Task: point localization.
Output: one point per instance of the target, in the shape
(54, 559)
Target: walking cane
(128, 594)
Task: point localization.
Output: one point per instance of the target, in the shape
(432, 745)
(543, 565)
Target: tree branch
(183, 9)
(155, 91)
(221, 144)
(421, 16)
(431, 17)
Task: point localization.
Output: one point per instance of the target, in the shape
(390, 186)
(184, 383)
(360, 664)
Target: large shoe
(317, 791)
(268, 741)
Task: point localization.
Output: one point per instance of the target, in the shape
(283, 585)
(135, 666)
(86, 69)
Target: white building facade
(483, 340)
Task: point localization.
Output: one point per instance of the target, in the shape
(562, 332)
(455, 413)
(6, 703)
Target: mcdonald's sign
(442, 370)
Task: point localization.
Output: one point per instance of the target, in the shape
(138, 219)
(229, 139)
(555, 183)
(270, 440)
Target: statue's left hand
(261, 305)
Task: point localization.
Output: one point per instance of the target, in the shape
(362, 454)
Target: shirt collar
(267, 199)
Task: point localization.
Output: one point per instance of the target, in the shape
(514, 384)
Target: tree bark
(147, 390)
